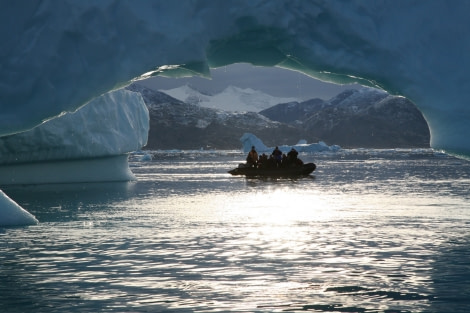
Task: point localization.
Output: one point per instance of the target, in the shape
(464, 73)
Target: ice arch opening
(57, 56)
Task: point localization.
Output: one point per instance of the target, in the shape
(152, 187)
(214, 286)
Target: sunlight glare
(281, 206)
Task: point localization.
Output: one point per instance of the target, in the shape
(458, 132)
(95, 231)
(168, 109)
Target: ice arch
(55, 56)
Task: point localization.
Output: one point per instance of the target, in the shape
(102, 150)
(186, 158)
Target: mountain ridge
(231, 99)
(366, 117)
(175, 124)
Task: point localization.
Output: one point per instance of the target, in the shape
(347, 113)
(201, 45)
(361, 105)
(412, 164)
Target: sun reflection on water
(281, 206)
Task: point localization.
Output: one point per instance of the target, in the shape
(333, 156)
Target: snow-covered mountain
(175, 124)
(354, 118)
(364, 117)
(352, 101)
(231, 99)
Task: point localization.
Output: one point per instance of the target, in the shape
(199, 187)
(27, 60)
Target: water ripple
(381, 234)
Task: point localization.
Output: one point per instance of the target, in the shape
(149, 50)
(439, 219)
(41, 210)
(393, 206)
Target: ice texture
(113, 124)
(56, 56)
(103, 169)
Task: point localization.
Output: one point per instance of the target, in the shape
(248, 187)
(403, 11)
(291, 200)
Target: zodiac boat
(301, 170)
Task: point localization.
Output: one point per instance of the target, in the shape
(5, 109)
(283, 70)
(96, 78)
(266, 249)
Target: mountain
(292, 112)
(231, 99)
(175, 124)
(364, 117)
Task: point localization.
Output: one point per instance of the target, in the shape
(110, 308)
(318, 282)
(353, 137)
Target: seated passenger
(292, 157)
(263, 161)
(277, 155)
(252, 158)
(271, 162)
(284, 161)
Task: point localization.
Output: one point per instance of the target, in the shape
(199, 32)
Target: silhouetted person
(263, 161)
(292, 157)
(277, 155)
(252, 158)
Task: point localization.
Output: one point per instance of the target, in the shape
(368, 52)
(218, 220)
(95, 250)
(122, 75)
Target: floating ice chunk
(248, 140)
(113, 124)
(146, 157)
(11, 214)
(89, 145)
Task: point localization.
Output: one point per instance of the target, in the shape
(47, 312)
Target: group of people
(275, 160)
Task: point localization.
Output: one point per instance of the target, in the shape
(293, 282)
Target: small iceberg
(11, 214)
(248, 140)
(145, 157)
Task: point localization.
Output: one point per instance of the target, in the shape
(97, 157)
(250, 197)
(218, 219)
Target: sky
(274, 81)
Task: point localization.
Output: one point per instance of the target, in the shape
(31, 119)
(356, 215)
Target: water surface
(369, 231)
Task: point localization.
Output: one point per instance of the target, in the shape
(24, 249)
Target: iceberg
(11, 214)
(113, 124)
(58, 56)
(249, 140)
(88, 145)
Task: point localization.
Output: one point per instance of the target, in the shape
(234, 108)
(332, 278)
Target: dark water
(369, 231)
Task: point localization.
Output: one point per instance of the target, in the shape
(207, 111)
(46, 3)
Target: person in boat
(263, 161)
(252, 158)
(271, 162)
(292, 157)
(284, 161)
(277, 155)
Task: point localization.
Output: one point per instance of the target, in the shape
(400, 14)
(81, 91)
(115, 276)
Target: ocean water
(368, 231)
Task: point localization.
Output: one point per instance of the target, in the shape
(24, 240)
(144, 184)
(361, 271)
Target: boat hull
(303, 170)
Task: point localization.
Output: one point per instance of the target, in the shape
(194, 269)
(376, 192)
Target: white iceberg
(88, 145)
(249, 140)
